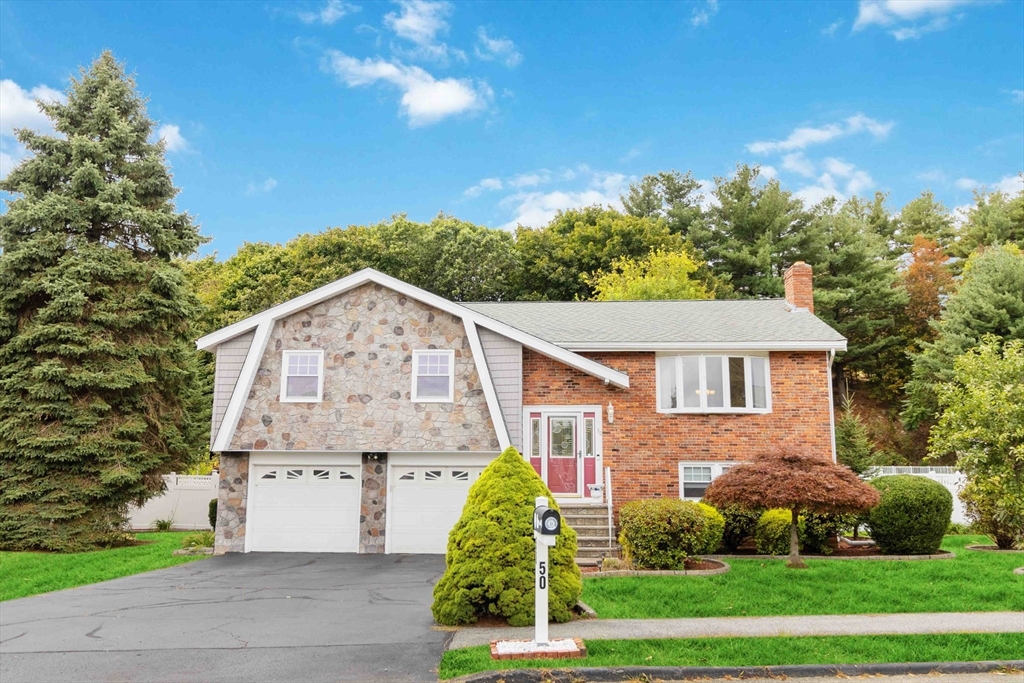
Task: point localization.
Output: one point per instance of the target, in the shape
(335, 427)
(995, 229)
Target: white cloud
(420, 22)
(485, 184)
(502, 49)
(535, 209)
(172, 137)
(425, 99)
(702, 14)
(329, 13)
(804, 137)
(18, 109)
(1017, 95)
(908, 19)
(768, 172)
(532, 179)
(1011, 184)
(798, 163)
(840, 180)
(831, 29)
(935, 175)
(966, 183)
(261, 188)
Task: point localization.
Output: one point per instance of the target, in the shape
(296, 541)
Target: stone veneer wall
(373, 504)
(368, 335)
(231, 498)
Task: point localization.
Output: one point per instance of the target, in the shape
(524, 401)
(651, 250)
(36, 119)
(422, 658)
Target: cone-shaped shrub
(491, 552)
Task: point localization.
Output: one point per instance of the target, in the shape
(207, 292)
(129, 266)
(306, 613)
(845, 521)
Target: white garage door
(304, 508)
(425, 502)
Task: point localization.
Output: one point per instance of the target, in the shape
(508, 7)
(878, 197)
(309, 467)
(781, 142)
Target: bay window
(710, 383)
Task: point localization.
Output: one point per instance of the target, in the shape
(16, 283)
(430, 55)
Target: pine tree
(94, 320)
(853, 446)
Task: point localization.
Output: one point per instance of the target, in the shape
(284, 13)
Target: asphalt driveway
(255, 617)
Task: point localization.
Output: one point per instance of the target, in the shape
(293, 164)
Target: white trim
(487, 384)
(580, 347)
(831, 402)
(233, 412)
(562, 410)
(725, 409)
(414, 389)
(283, 396)
(468, 316)
(716, 471)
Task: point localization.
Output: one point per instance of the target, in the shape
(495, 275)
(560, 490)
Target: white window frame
(285, 355)
(718, 468)
(726, 399)
(415, 376)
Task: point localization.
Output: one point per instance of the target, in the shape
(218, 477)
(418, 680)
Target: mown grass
(23, 574)
(972, 582)
(962, 647)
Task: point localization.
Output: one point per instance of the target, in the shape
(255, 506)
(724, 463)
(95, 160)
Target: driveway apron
(253, 617)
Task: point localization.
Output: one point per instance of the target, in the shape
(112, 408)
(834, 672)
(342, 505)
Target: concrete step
(583, 511)
(594, 542)
(589, 529)
(597, 552)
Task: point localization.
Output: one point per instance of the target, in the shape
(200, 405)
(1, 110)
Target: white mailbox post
(547, 524)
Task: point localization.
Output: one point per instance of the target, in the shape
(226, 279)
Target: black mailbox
(546, 521)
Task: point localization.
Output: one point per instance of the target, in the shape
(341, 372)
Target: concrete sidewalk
(720, 627)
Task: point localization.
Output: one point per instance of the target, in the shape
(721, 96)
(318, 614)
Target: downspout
(831, 404)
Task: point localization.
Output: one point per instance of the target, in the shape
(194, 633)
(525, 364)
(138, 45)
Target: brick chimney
(799, 291)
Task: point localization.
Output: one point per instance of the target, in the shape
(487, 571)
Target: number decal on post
(542, 575)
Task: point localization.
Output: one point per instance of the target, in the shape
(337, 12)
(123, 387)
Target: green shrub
(713, 532)
(200, 539)
(661, 533)
(911, 517)
(739, 525)
(817, 529)
(163, 524)
(979, 499)
(957, 529)
(771, 533)
(490, 559)
(213, 514)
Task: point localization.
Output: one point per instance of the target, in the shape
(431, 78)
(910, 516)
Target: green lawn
(953, 647)
(24, 574)
(972, 582)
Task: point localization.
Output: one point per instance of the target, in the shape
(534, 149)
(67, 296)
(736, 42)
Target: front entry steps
(594, 543)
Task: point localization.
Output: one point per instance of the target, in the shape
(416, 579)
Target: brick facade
(644, 447)
(799, 288)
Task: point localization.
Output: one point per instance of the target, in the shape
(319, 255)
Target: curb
(662, 572)
(678, 673)
(891, 558)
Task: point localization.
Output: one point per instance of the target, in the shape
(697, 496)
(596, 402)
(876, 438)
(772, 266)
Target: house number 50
(542, 575)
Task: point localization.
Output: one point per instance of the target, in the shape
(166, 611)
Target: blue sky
(284, 118)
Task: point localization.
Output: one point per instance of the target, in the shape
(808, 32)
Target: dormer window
(302, 376)
(710, 383)
(433, 376)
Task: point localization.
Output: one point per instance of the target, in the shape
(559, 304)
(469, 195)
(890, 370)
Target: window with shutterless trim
(302, 376)
(695, 477)
(713, 383)
(433, 376)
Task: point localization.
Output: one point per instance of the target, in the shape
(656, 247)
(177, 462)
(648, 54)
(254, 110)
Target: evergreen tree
(754, 233)
(989, 301)
(996, 218)
(926, 216)
(95, 345)
(855, 292)
(670, 195)
(853, 446)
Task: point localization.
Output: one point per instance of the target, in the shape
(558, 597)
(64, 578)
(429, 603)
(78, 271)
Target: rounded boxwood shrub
(771, 533)
(912, 515)
(213, 513)
(739, 525)
(661, 533)
(490, 559)
(714, 530)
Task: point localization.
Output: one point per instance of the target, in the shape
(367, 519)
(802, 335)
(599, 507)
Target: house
(355, 418)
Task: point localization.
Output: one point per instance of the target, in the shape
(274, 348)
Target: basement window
(695, 477)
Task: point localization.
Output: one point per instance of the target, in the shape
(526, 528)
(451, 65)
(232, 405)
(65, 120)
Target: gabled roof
(755, 324)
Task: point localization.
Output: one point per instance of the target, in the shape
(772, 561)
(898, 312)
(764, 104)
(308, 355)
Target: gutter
(832, 404)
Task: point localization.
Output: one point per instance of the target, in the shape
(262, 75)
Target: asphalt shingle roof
(578, 323)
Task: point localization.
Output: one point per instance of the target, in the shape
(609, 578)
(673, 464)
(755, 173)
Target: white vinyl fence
(947, 476)
(186, 502)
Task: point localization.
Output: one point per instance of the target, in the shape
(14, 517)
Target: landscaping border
(992, 549)
(1019, 570)
(897, 558)
(674, 673)
(662, 572)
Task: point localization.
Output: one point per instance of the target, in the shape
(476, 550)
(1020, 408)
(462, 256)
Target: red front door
(563, 454)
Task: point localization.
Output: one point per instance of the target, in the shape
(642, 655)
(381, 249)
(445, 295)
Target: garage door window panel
(433, 378)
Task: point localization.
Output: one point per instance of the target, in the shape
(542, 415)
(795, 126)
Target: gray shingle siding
(230, 357)
(505, 361)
